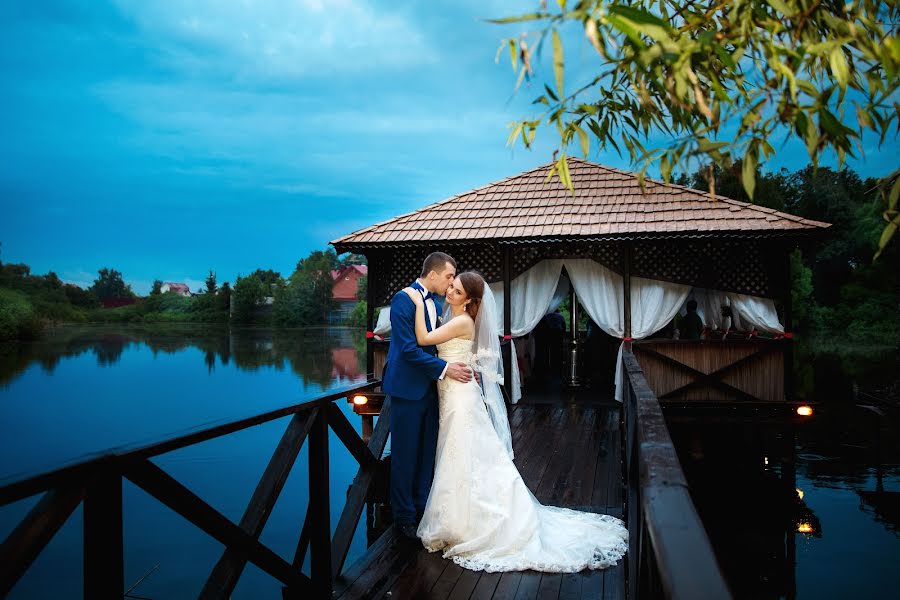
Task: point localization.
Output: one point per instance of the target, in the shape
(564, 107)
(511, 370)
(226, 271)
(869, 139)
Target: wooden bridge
(598, 456)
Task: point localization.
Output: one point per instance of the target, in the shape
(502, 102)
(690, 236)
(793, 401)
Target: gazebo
(633, 256)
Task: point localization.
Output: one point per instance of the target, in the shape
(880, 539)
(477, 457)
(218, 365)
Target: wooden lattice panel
(396, 268)
(525, 257)
(728, 265)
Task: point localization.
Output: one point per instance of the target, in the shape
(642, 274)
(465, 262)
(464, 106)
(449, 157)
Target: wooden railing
(98, 483)
(669, 554)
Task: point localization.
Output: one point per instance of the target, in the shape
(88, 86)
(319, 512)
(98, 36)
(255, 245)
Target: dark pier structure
(594, 438)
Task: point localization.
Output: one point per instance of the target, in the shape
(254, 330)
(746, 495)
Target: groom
(409, 378)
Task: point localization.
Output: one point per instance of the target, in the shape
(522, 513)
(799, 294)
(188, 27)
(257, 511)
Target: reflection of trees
(307, 352)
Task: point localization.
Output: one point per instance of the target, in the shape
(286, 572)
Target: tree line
(264, 297)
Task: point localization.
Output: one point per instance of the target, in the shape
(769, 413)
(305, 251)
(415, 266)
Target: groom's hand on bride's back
(459, 371)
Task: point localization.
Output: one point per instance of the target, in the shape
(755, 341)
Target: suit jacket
(410, 369)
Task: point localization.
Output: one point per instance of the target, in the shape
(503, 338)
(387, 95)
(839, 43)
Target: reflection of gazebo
(633, 257)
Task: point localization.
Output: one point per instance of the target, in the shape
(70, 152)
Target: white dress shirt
(431, 313)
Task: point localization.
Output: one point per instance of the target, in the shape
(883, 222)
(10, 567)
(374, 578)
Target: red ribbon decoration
(626, 339)
(370, 335)
(788, 335)
(507, 337)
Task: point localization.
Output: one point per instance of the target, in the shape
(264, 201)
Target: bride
(480, 513)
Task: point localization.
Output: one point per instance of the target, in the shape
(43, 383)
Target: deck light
(804, 527)
(804, 411)
(360, 400)
(800, 493)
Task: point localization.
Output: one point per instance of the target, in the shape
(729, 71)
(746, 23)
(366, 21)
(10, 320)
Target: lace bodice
(456, 350)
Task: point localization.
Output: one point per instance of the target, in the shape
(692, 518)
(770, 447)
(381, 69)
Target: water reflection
(319, 356)
(802, 510)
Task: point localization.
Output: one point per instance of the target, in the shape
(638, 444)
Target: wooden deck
(569, 455)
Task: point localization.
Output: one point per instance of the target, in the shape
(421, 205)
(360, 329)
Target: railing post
(104, 569)
(319, 506)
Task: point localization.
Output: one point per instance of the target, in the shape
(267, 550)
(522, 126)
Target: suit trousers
(414, 433)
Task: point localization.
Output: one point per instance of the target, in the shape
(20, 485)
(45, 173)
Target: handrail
(670, 555)
(97, 481)
(18, 489)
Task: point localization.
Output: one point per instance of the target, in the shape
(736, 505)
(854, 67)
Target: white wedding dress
(481, 514)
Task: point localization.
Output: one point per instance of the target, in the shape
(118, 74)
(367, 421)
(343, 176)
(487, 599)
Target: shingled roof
(608, 203)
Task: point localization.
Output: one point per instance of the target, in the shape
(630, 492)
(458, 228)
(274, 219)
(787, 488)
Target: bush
(18, 319)
(357, 317)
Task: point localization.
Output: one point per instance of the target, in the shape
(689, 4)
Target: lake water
(81, 390)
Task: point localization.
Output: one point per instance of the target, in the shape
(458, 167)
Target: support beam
(104, 565)
(370, 316)
(224, 576)
(319, 507)
(788, 324)
(626, 287)
(33, 533)
(507, 320)
(173, 494)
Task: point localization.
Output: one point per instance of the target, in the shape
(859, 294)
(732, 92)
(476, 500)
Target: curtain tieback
(507, 337)
(627, 339)
(371, 334)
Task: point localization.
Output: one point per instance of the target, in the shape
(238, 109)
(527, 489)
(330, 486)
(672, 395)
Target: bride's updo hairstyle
(473, 284)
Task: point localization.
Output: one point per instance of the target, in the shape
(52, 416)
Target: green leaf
(551, 93)
(864, 118)
(782, 7)
(521, 18)
(637, 16)
(839, 67)
(665, 167)
(558, 62)
(514, 55)
(748, 170)
(585, 140)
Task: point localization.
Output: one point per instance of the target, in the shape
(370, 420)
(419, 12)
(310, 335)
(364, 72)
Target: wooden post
(507, 321)
(370, 317)
(104, 567)
(626, 287)
(319, 506)
(788, 326)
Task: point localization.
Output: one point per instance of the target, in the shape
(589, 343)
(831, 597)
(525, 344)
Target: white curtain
(747, 311)
(383, 326)
(756, 311)
(531, 295)
(601, 291)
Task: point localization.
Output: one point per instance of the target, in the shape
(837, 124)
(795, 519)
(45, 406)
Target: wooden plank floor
(569, 455)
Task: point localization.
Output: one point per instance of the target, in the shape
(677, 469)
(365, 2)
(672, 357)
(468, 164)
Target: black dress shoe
(408, 530)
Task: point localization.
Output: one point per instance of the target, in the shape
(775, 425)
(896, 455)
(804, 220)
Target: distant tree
(224, 297)
(306, 299)
(109, 284)
(156, 290)
(362, 288)
(268, 277)
(211, 283)
(249, 292)
(352, 259)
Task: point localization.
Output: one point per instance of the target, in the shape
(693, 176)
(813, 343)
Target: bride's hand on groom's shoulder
(414, 295)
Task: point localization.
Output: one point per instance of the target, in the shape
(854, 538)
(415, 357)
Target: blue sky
(165, 138)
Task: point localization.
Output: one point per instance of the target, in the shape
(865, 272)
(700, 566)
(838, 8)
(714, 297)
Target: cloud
(254, 41)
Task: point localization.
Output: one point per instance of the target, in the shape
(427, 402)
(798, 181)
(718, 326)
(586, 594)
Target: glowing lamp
(360, 400)
(804, 528)
(804, 411)
(800, 493)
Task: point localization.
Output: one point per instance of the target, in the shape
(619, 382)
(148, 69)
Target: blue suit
(409, 378)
